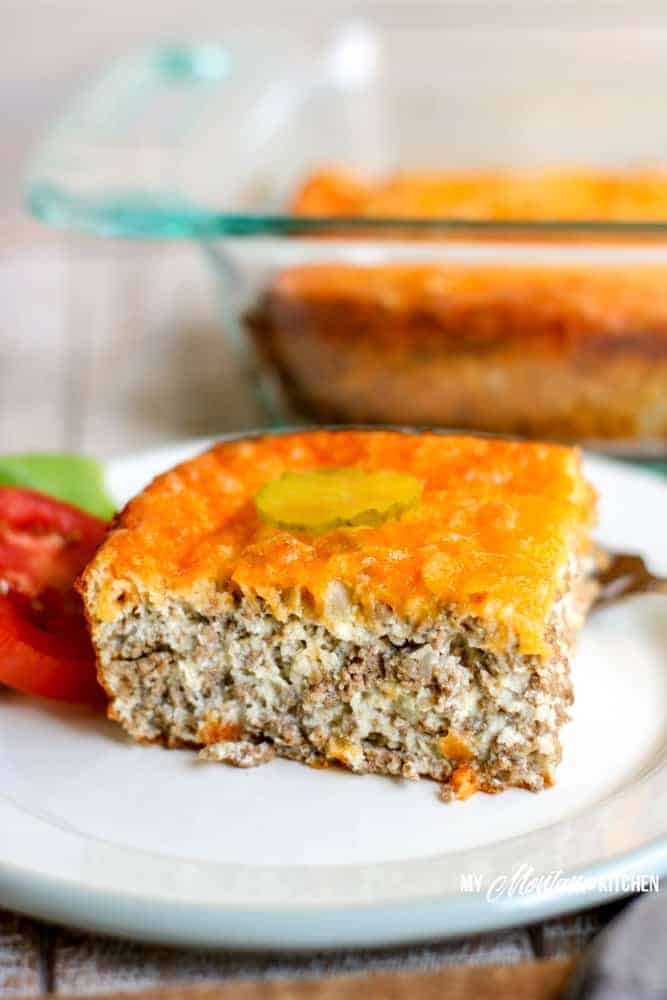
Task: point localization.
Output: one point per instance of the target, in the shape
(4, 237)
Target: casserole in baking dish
(557, 350)
(507, 294)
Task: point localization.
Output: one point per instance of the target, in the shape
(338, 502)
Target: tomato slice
(44, 644)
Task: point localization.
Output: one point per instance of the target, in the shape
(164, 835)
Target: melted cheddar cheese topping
(491, 536)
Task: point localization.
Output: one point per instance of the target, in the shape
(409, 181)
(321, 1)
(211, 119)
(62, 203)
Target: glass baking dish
(209, 142)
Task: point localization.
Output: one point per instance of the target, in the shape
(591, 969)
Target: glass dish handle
(140, 151)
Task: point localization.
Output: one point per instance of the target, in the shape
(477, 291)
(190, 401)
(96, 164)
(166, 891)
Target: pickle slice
(324, 499)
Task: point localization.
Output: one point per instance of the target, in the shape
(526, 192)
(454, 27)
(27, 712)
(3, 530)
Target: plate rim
(252, 928)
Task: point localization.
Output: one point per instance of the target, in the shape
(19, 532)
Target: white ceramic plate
(98, 832)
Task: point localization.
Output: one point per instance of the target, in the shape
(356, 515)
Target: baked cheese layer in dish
(531, 195)
(434, 640)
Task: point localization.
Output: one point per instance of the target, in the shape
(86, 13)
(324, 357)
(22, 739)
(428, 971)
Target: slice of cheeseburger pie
(395, 603)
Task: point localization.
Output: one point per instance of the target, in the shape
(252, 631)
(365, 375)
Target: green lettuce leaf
(73, 478)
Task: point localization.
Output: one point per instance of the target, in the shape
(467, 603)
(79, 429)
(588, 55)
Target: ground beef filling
(442, 703)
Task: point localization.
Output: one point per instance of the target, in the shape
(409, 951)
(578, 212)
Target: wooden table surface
(108, 347)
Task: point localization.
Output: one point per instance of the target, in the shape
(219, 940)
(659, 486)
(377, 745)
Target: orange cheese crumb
(455, 748)
(464, 782)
